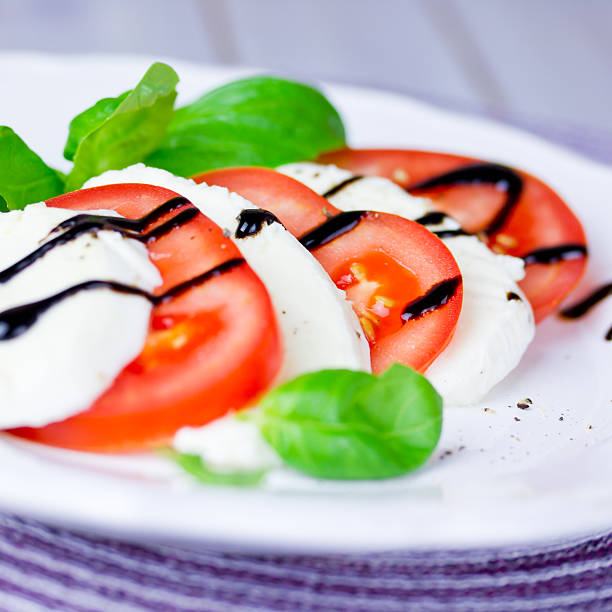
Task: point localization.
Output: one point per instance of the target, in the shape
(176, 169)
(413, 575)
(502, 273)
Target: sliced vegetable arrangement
(259, 354)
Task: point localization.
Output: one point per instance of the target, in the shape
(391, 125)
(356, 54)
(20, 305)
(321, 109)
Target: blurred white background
(544, 64)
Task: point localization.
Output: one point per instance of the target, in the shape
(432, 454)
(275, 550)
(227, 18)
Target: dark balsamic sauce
(431, 218)
(511, 296)
(435, 298)
(252, 220)
(16, 321)
(116, 223)
(557, 253)
(435, 218)
(87, 223)
(494, 174)
(581, 308)
(332, 228)
(340, 186)
(451, 233)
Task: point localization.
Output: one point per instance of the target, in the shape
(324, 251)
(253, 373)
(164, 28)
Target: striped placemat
(44, 568)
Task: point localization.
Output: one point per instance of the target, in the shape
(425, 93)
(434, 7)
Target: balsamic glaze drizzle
(332, 228)
(117, 223)
(494, 174)
(513, 185)
(89, 223)
(16, 321)
(451, 233)
(436, 297)
(581, 308)
(340, 186)
(431, 218)
(251, 221)
(554, 254)
(435, 218)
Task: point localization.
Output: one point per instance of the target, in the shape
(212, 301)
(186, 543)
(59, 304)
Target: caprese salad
(295, 302)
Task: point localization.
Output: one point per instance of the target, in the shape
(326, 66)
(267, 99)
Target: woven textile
(43, 568)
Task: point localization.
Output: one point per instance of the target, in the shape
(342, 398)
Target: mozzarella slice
(319, 327)
(494, 328)
(75, 350)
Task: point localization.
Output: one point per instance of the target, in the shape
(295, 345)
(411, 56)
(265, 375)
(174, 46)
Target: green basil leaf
(194, 465)
(351, 425)
(89, 120)
(260, 121)
(126, 136)
(24, 176)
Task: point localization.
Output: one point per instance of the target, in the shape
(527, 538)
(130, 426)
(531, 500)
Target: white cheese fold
(75, 350)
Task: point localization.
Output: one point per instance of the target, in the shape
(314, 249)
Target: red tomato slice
(213, 348)
(383, 263)
(538, 220)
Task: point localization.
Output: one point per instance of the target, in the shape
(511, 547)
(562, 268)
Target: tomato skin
(210, 350)
(539, 219)
(382, 245)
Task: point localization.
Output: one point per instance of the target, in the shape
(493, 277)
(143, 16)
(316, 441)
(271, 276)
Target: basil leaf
(126, 136)
(89, 120)
(352, 425)
(24, 176)
(261, 121)
(194, 465)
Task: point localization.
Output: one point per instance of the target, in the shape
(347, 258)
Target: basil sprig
(90, 119)
(113, 134)
(262, 121)
(342, 424)
(24, 176)
(255, 121)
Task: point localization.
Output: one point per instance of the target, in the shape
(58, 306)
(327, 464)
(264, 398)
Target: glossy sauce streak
(435, 218)
(88, 223)
(432, 218)
(435, 298)
(581, 308)
(16, 321)
(332, 228)
(512, 182)
(137, 225)
(554, 254)
(494, 174)
(251, 221)
(511, 296)
(340, 186)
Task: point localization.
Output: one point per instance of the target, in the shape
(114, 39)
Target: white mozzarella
(366, 193)
(229, 444)
(75, 350)
(493, 332)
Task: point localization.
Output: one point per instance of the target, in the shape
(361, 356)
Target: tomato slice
(214, 348)
(519, 214)
(386, 264)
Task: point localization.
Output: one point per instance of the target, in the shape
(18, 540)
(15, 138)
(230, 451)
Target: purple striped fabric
(44, 568)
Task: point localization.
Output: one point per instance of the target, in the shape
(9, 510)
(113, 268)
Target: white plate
(494, 480)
